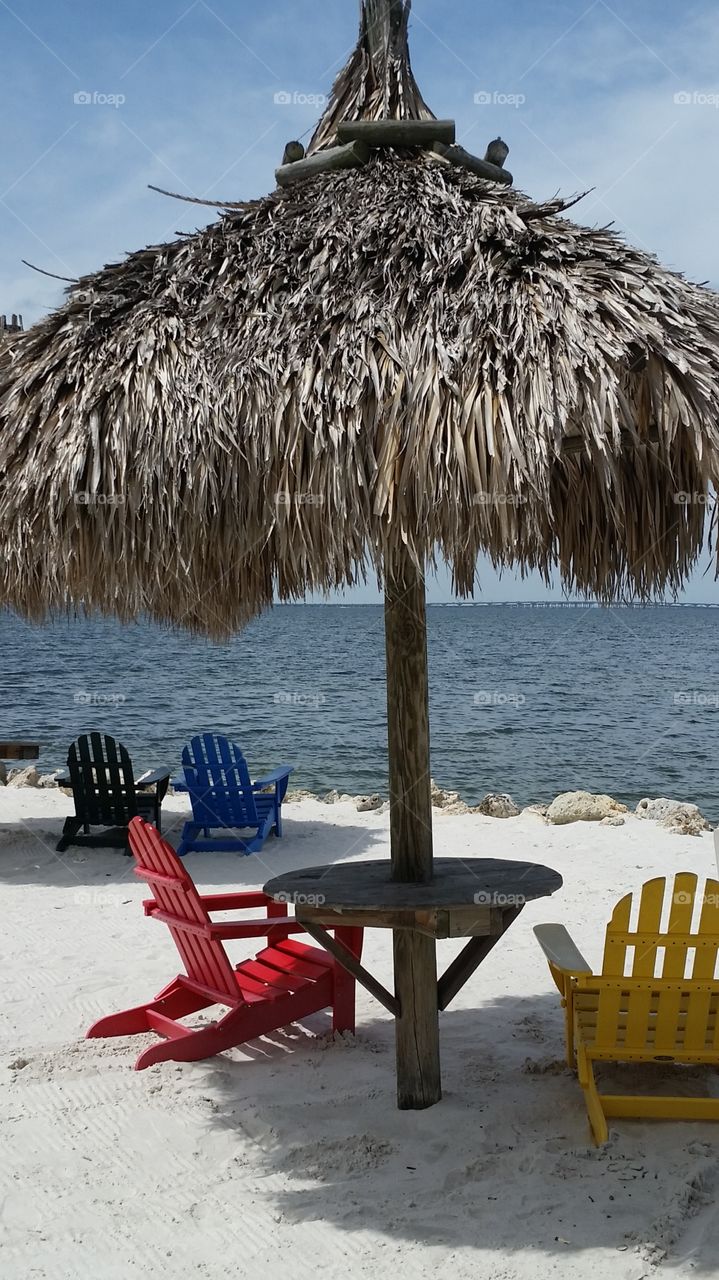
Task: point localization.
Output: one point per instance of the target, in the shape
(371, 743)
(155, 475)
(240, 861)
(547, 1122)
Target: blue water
(533, 701)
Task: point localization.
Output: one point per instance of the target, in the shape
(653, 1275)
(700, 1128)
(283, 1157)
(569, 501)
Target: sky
(620, 100)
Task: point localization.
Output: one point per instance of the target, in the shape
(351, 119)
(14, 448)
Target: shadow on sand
(504, 1162)
(28, 855)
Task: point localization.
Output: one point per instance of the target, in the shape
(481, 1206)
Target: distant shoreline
(498, 604)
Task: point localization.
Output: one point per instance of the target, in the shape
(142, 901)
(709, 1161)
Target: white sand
(289, 1157)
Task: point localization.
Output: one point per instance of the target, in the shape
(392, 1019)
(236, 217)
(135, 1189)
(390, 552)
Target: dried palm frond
(400, 356)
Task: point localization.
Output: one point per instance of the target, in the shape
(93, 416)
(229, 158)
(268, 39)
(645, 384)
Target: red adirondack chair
(286, 981)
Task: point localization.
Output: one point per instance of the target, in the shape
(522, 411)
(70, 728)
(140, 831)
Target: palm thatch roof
(401, 357)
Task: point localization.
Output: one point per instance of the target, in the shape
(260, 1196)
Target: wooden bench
(16, 749)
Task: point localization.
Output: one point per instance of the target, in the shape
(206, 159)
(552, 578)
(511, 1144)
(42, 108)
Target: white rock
(24, 777)
(47, 780)
(331, 797)
(582, 806)
(674, 815)
(498, 805)
(442, 799)
(366, 804)
(614, 820)
(296, 796)
(536, 811)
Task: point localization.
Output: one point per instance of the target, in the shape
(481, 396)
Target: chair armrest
(277, 775)
(152, 777)
(179, 784)
(256, 928)
(560, 949)
(234, 901)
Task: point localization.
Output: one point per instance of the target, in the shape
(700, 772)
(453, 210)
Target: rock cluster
(571, 806)
(582, 806)
(447, 801)
(367, 804)
(24, 777)
(498, 805)
(27, 777)
(674, 815)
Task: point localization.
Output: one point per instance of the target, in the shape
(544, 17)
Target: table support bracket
(469, 959)
(353, 966)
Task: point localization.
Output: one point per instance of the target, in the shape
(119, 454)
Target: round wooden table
(475, 898)
(455, 899)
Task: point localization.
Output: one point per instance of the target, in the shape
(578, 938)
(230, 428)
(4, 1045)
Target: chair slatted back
(219, 784)
(676, 934)
(103, 784)
(656, 1018)
(204, 958)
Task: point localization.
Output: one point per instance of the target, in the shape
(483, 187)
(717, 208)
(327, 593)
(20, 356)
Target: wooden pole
(410, 790)
(415, 961)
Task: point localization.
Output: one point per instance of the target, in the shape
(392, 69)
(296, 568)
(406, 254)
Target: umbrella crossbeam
(356, 139)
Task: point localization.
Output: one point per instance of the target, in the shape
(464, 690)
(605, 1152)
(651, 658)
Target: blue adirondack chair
(223, 796)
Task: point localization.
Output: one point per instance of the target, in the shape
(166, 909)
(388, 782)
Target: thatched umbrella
(385, 362)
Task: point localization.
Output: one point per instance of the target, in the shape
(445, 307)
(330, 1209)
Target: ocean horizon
(538, 698)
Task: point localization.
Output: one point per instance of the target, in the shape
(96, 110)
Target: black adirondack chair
(105, 792)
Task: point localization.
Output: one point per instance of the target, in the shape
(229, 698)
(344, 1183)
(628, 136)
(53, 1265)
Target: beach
(289, 1155)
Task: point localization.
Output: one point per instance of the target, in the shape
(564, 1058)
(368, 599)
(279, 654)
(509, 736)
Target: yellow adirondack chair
(656, 999)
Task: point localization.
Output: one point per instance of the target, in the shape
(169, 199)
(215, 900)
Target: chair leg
(189, 834)
(69, 831)
(345, 987)
(278, 820)
(569, 1031)
(593, 1102)
(343, 1004)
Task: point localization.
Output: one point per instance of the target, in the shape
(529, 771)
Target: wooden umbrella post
(415, 961)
